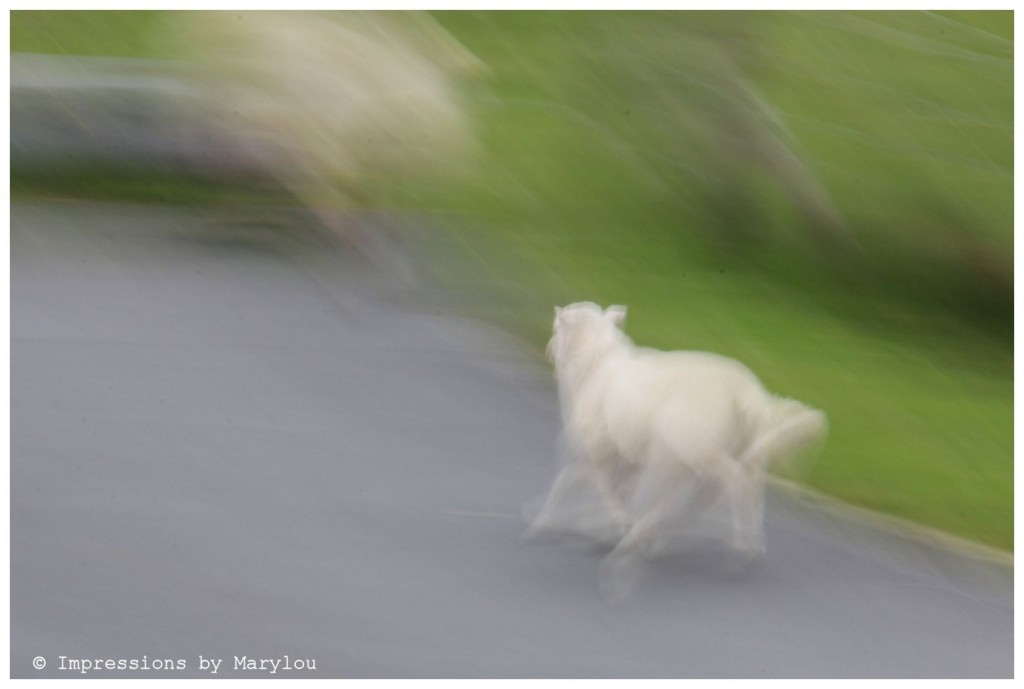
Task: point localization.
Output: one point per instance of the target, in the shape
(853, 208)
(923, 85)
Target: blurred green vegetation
(97, 33)
(826, 196)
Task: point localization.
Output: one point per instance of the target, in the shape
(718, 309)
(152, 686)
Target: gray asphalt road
(226, 446)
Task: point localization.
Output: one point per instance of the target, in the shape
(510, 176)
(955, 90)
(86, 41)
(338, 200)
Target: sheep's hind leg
(746, 493)
(664, 490)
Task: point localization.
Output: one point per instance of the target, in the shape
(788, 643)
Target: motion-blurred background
(826, 196)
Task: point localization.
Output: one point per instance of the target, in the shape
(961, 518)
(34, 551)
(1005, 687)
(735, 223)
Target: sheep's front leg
(601, 460)
(561, 508)
(568, 478)
(610, 498)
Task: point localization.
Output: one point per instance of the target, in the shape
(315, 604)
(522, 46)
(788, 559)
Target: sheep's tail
(790, 428)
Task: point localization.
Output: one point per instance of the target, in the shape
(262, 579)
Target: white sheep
(661, 435)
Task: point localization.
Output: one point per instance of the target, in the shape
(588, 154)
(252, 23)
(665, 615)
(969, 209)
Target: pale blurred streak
(331, 104)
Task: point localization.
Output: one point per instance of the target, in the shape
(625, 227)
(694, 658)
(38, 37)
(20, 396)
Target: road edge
(896, 526)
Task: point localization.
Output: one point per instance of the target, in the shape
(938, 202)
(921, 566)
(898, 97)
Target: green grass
(635, 158)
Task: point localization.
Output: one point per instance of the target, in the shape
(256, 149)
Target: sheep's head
(585, 329)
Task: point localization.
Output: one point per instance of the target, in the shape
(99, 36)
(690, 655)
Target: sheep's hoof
(656, 548)
(534, 533)
(744, 562)
(617, 576)
(623, 523)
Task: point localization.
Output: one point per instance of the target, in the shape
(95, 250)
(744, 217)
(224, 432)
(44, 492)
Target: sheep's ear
(559, 314)
(616, 313)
